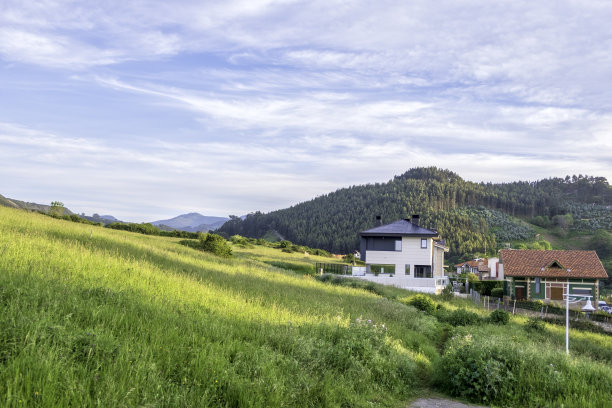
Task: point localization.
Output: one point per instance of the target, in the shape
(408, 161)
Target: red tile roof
(481, 264)
(574, 264)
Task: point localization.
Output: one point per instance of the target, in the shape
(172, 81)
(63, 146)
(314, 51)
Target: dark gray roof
(400, 228)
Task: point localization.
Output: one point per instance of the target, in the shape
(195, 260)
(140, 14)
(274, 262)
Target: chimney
(415, 219)
(378, 220)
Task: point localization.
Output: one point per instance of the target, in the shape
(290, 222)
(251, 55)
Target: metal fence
(528, 308)
(338, 269)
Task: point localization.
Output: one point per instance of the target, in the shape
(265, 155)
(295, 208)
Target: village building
(403, 254)
(550, 275)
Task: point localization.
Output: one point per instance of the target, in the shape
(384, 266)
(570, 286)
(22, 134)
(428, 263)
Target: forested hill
(472, 217)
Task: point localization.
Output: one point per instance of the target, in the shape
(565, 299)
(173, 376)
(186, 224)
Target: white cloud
(285, 100)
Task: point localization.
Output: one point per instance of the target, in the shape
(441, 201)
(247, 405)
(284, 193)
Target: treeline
(150, 229)
(333, 221)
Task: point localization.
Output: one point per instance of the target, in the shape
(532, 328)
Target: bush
(535, 324)
(475, 373)
(491, 370)
(497, 292)
(216, 244)
(447, 292)
(458, 317)
(212, 243)
(499, 317)
(486, 287)
(422, 302)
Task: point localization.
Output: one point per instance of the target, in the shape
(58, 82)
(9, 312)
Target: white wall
(427, 285)
(492, 264)
(411, 254)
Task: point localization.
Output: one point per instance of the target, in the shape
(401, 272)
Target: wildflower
(357, 320)
(369, 321)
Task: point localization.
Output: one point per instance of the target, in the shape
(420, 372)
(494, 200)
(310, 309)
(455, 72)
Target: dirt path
(435, 402)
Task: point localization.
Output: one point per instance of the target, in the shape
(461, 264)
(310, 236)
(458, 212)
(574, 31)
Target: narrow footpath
(435, 402)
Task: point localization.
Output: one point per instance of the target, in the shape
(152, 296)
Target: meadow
(99, 317)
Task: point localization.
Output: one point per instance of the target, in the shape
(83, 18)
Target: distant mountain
(109, 217)
(105, 219)
(192, 222)
(11, 202)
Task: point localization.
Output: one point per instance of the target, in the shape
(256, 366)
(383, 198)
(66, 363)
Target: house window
(407, 272)
(581, 291)
(383, 244)
(382, 268)
(423, 242)
(422, 271)
(537, 286)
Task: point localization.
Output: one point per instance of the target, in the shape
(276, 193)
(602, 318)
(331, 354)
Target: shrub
(217, 245)
(497, 292)
(499, 316)
(474, 372)
(422, 302)
(492, 370)
(535, 324)
(460, 317)
(447, 292)
(486, 287)
(284, 244)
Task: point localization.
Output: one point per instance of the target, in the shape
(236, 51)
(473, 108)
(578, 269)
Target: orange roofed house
(549, 275)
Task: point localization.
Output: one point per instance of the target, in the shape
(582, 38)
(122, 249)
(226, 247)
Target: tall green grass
(97, 317)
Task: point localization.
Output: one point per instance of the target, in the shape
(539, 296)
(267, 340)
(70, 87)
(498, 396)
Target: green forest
(473, 218)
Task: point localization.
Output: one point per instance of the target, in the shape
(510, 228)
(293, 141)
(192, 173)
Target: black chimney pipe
(378, 220)
(415, 219)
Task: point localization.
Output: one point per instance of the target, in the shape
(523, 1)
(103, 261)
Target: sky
(149, 109)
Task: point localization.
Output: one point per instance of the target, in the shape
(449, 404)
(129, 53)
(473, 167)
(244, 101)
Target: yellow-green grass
(295, 261)
(98, 317)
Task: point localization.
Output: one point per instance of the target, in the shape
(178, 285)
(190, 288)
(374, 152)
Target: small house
(484, 268)
(551, 275)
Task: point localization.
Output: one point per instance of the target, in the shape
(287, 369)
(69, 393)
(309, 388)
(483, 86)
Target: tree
(57, 208)
(601, 242)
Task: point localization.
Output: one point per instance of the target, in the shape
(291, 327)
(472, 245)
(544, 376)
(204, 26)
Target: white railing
(358, 271)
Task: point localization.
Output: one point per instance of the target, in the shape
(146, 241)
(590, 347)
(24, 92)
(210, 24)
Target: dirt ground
(440, 403)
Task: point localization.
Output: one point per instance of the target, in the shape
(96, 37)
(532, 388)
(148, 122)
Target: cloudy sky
(149, 109)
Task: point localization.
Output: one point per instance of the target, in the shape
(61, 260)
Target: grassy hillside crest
(99, 317)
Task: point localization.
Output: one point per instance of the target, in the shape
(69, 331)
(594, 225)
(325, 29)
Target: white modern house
(403, 254)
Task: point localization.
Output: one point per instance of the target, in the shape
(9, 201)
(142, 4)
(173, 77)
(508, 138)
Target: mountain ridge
(467, 214)
(192, 222)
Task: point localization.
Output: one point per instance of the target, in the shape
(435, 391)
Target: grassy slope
(7, 203)
(98, 317)
(93, 316)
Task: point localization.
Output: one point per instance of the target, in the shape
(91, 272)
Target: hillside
(473, 217)
(24, 205)
(100, 317)
(93, 316)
